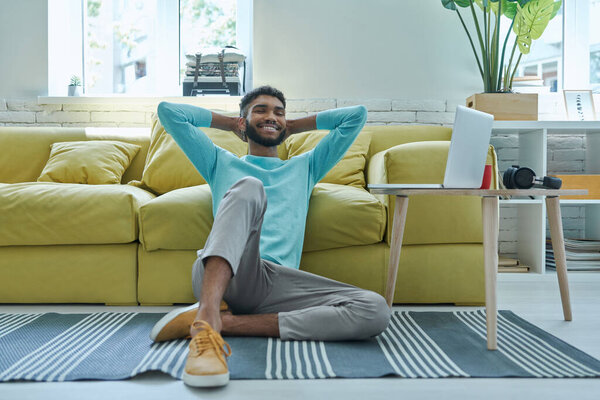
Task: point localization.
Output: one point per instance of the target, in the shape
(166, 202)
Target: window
(567, 56)
(545, 58)
(595, 45)
(138, 47)
(119, 43)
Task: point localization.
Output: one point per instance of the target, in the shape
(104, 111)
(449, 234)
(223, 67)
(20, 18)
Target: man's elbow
(360, 114)
(162, 109)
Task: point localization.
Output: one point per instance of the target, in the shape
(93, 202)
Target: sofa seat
(178, 220)
(338, 216)
(41, 213)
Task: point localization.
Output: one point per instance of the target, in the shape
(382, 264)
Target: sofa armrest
(430, 219)
(377, 173)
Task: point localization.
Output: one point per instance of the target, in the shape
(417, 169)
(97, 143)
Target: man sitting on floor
(251, 257)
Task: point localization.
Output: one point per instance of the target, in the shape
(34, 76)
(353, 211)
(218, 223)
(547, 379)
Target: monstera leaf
(509, 7)
(451, 4)
(492, 4)
(531, 20)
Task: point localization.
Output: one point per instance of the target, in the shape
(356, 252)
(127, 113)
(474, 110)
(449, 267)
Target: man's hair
(259, 91)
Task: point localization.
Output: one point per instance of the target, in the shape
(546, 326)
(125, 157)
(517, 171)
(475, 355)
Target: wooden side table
(489, 202)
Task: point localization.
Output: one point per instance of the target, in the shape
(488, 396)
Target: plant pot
(74, 90)
(506, 106)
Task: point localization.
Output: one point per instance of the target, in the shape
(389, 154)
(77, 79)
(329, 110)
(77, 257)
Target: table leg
(558, 246)
(489, 206)
(396, 246)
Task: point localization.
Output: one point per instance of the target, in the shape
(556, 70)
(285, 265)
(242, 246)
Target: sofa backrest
(25, 150)
(385, 136)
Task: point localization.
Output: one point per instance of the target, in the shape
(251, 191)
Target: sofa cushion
(340, 216)
(178, 220)
(95, 162)
(168, 168)
(41, 213)
(350, 169)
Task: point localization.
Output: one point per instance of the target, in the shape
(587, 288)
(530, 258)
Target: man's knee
(379, 315)
(383, 314)
(250, 189)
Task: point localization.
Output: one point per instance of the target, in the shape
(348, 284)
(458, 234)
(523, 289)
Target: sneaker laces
(208, 339)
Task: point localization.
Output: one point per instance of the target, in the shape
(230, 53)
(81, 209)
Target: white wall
(363, 48)
(23, 48)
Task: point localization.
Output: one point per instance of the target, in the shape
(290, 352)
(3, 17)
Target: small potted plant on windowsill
(528, 20)
(75, 86)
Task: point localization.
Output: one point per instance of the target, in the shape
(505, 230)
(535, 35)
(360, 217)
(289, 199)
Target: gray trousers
(309, 307)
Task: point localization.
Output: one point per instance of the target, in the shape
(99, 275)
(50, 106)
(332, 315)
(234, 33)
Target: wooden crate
(589, 182)
(506, 106)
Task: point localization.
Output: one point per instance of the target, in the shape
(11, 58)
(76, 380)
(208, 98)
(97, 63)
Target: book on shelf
(507, 264)
(580, 254)
(515, 268)
(504, 261)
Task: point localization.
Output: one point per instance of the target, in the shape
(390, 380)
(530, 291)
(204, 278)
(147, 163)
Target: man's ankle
(211, 315)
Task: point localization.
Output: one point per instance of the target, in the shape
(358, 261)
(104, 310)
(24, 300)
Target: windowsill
(221, 101)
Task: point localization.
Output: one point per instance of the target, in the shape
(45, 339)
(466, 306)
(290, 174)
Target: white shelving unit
(533, 153)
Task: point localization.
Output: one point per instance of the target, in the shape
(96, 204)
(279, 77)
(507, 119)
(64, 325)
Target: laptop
(467, 155)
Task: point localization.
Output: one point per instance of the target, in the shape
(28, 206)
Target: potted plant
(75, 86)
(497, 66)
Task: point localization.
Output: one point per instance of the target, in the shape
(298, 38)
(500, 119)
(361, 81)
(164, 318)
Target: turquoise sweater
(288, 183)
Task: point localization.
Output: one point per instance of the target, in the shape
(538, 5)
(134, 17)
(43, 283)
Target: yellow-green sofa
(135, 242)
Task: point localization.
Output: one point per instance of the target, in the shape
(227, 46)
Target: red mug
(487, 177)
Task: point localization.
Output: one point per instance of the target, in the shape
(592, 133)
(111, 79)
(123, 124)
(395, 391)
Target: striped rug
(110, 346)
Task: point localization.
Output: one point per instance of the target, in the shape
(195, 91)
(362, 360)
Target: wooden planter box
(506, 106)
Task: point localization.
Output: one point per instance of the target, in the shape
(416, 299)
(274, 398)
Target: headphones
(517, 177)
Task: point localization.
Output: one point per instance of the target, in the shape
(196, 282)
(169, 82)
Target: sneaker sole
(170, 316)
(205, 380)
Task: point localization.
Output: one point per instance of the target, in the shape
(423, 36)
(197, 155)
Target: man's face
(265, 122)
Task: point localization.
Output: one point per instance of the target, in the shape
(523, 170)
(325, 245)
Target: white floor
(533, 297)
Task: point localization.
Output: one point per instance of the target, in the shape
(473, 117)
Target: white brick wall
(430, 117)
(392, 116)
(62, 116)
(371, 104)
(310, 105)
(25, 117)
(418, 105)
(118, 117)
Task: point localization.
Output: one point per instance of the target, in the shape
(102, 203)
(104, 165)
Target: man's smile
(269, 127)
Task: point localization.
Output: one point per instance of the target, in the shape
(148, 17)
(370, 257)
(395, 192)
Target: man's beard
(267, 142)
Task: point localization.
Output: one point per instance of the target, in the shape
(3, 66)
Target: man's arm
(182, 121)
(301, 125)
(226, 123)
(344, 124)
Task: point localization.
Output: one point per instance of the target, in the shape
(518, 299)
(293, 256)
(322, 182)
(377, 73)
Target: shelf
(521, 201)
(524, 219)
(566, 202)
(576, 202)
(553, 125)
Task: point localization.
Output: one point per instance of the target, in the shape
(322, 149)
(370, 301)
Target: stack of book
(213, 71)
(507, 264)
(581, 255)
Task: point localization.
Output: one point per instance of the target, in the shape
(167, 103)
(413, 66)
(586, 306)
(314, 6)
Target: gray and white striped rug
(110, 346)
